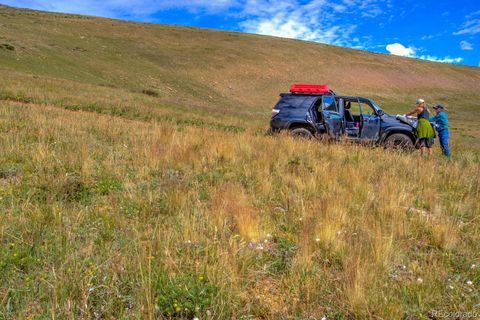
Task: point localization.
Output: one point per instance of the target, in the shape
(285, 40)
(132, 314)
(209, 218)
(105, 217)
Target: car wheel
(399, 141)
(301, 133)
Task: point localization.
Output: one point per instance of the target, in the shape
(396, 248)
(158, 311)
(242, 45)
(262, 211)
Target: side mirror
(380, 113)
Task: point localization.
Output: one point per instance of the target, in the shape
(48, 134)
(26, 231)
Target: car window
(294, 101)
(366, 108)
(328, 103)
(357, 108)
(353, 106)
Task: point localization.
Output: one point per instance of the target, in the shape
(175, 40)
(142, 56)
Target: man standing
(441, 123)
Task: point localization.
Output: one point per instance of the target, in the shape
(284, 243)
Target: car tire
(301, 133)
(398, 141)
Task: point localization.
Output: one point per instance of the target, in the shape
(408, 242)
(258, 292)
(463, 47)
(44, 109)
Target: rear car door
(332, 116)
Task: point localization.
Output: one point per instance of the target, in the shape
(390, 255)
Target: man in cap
(441, 124)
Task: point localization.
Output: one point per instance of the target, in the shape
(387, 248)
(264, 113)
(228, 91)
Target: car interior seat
(348, 113)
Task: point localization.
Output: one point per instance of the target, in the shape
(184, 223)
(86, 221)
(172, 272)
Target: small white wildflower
(265, 241)
(317, 240)
(450, 287)
(404, 267)
(259, 247)
(195, 318)
(324, 318)
(469, 283)
(269, 236)
(419, 280)
(473, 266)
(188, 242)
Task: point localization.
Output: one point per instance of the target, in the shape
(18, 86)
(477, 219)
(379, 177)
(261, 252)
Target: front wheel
(398, 141)
(301, 133)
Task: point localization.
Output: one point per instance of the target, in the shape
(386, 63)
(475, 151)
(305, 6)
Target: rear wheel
(301, 133)
(398, 141)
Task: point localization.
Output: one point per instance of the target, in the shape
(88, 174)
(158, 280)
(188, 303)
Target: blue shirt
(441, 121)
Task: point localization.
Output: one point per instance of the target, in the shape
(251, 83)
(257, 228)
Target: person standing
(441, 124)
(425, 132)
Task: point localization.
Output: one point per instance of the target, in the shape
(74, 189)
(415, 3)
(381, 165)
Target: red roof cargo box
(309, 88)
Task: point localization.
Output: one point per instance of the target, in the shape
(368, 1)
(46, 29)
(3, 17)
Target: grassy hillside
(136, 181)
(94, 63)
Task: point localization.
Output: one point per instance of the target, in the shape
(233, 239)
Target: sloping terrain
(136, 181)
(93, 63)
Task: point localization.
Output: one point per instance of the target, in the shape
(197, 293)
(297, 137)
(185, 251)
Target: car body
(316, 111)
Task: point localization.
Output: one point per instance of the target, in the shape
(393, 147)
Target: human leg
(443, 137)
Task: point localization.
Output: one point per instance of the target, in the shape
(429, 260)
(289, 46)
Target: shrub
(9, 172)
(7, 46)
(184, 296)
(107, 185)
(74, 189)
(150, 92)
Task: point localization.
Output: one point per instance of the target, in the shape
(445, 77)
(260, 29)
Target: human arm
(418, 109)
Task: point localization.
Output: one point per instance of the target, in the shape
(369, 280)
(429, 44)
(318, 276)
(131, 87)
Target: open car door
(371, 122)
(333, 116)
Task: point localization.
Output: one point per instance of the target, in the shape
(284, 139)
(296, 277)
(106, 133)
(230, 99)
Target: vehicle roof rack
(310, 89)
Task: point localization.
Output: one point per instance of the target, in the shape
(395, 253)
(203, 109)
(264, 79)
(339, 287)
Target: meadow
(137, 180)
(111, 218)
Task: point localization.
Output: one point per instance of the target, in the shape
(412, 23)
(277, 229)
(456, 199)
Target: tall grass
(105, 217)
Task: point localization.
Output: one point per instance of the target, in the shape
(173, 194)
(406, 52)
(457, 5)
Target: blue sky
(439, 30)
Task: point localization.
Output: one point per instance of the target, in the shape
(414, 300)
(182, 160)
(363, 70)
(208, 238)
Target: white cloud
(443, 60)
(339, 8)
(427, 37)
(399, 49)
(471, 26)
(465, 45)
(314, 20)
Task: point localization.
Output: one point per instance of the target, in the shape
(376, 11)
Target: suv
(316, 111)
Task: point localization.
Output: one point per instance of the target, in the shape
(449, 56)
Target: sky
(446, 31)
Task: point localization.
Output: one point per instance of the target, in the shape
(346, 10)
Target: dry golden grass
(136, 181)
(104, 217)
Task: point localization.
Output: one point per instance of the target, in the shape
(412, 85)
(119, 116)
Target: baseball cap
(420, 101)
(439, 106)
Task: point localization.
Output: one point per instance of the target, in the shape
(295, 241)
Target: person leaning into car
(425, 133)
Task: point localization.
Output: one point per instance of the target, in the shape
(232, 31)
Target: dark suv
(315, 111)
